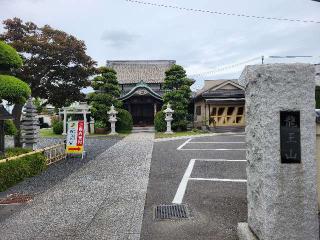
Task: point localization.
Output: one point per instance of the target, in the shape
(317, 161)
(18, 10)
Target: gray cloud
(199, 42)
(118, 38)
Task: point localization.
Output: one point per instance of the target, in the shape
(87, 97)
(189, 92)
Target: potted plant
(99, 127)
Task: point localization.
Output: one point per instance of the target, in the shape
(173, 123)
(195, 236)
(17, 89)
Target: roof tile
(135, 71)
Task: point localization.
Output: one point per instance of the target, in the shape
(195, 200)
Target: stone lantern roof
(169, 110)
(112, 110)
(4, 114)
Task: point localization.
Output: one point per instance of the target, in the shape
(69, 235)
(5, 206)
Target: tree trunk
(16, 113)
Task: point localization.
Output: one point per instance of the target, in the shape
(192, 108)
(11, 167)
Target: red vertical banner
(80, 136)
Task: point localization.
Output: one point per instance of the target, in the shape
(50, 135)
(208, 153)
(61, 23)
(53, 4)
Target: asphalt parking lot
(208, 175)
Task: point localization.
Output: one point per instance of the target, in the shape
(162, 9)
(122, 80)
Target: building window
(198, 110)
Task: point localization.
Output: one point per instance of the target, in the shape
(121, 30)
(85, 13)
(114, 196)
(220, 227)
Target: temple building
(141, 85)
(220, 104)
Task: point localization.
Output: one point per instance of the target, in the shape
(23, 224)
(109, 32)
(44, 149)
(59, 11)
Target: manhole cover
(173, 212)
(15, 199)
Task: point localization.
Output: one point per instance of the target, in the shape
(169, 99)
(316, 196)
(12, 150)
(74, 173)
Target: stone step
(142, 129)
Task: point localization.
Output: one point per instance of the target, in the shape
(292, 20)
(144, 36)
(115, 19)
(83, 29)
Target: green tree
(12, 89)
(178, 94)
(56, 66)
(106, 93)
(317, 97)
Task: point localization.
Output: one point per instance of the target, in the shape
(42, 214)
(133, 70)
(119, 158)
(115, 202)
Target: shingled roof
(135, 71)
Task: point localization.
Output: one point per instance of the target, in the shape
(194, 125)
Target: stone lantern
(29, 126)
(4, 115)
(168, 118)
(113, 119)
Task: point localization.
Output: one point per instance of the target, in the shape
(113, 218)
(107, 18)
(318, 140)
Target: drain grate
(174, 212)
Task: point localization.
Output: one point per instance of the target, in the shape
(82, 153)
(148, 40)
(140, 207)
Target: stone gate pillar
(281, 168)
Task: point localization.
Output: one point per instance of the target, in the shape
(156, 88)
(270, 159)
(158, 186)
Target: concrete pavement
(215, 191)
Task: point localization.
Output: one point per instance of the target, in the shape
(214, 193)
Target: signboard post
(75, 138)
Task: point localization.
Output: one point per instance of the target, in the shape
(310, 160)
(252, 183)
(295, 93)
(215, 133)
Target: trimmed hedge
(13, 89)
(57, 127)
(9, 58)
(10, 128)
(159, 123)
(14, 171)
(11, 152)
(125, 122)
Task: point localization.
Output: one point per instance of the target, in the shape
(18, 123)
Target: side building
(317, 66)
(220, 105)
(141, 83)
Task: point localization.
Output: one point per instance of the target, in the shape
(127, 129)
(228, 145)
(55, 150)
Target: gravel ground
(56, 172)
(102, 200)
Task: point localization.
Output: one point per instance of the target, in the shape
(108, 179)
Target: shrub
(10, 128)
(125, 122)
(14, 171)
(13, 89)
(57, 127)
(159, 122)
(9, 58)
(317, 97)
(99, 124)
(11, 152)
(180, 125)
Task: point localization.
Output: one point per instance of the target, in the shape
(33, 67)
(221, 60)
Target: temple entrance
(142, 109)
(142, 114)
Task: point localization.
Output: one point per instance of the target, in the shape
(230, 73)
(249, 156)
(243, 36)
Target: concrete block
(282, 198)
(244, 232)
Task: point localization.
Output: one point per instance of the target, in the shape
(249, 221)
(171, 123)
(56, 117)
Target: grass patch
(179, 134)
(48, 133)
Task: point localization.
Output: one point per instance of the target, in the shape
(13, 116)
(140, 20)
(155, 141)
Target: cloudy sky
(200, 42)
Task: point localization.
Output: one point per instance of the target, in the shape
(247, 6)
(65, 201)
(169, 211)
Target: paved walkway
(103, 200)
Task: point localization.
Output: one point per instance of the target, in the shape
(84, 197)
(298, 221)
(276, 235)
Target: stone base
(244, 232)
(168, 132)
(113, 134)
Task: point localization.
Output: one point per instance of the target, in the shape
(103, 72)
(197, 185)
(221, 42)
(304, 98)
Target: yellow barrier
(53, 154)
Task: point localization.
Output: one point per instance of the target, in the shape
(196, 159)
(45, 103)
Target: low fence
(52, 154)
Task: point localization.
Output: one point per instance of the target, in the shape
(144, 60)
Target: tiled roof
(208, 84)
(148, 71)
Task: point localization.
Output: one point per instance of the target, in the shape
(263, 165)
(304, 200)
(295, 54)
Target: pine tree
(106, 93)
(178, 94)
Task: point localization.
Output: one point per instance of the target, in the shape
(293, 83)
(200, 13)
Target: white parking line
(186, 177)
(180, 148)
(219, 180)
(216, 142)
(220, 160)
(183, 144)
(212, 149)
(183, 184)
